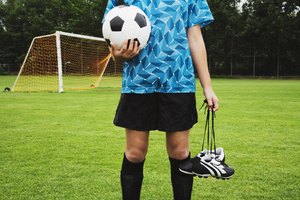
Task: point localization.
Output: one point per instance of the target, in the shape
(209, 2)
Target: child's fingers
(125, 45)
(136, 48)
(129, 49)
(209, 104)
(215, 106)
(131, 45)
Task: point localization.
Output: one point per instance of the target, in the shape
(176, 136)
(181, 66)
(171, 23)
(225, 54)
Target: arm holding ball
(129, 49)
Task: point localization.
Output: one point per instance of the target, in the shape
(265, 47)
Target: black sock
(131, 179)
(182, 183)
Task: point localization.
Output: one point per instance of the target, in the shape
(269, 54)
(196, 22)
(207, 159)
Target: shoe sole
(186, 172)
(223, 178)
(205, 175)
(195, 174)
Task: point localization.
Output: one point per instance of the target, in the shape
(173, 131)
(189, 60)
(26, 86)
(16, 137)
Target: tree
(221, 36)
(268, 32)
(21, 20)
(264, 34)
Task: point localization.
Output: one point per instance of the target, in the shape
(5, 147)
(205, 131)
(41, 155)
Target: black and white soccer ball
(6, 89)
(126, 22)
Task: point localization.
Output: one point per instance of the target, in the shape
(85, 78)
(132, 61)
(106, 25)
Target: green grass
(50, 83)
(64, 146)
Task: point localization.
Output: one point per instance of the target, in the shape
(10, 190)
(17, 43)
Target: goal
(67, 61)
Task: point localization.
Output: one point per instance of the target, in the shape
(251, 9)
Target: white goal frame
(58, 35)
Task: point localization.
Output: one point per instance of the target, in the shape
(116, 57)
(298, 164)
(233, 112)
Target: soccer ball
(126, 22)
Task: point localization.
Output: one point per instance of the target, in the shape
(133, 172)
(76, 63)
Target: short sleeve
(199, 13)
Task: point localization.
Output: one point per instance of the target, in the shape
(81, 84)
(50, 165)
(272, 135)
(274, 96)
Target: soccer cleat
(187, 166)
(192, 165)
(208, 163)
(216, 168)
(195, 168)
(219, 154)
(222, 170)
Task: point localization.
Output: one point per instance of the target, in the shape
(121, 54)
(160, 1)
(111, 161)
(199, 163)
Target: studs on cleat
(203, 176)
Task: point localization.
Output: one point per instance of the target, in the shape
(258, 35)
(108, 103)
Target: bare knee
(178, 145)
(136, 155)
(136, 145)
(178, 153)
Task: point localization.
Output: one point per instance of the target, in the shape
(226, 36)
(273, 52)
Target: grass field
(70, 82)
(64, 146)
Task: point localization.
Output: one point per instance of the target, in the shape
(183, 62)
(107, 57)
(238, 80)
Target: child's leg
(178, 150)
(133, 164)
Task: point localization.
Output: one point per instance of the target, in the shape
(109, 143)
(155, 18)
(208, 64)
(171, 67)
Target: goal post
(67, 61)
(59, 63)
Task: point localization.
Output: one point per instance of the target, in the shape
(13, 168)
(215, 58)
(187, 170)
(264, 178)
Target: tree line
(259, 38)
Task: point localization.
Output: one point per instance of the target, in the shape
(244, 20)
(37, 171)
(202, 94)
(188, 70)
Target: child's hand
(211, 98)
(128, 50)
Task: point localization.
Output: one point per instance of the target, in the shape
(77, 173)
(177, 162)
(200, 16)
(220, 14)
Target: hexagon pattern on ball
(126, 22)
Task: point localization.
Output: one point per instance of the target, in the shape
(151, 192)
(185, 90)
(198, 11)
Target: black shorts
(167, 112)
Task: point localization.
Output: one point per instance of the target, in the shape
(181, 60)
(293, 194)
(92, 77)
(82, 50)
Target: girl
(158, 88)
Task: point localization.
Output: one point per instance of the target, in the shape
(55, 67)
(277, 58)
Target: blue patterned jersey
(165, 64)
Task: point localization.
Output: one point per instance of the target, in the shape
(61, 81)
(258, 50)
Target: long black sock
(182, 183)
(131, 179)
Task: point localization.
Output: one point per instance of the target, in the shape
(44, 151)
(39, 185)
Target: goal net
(66, 61)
